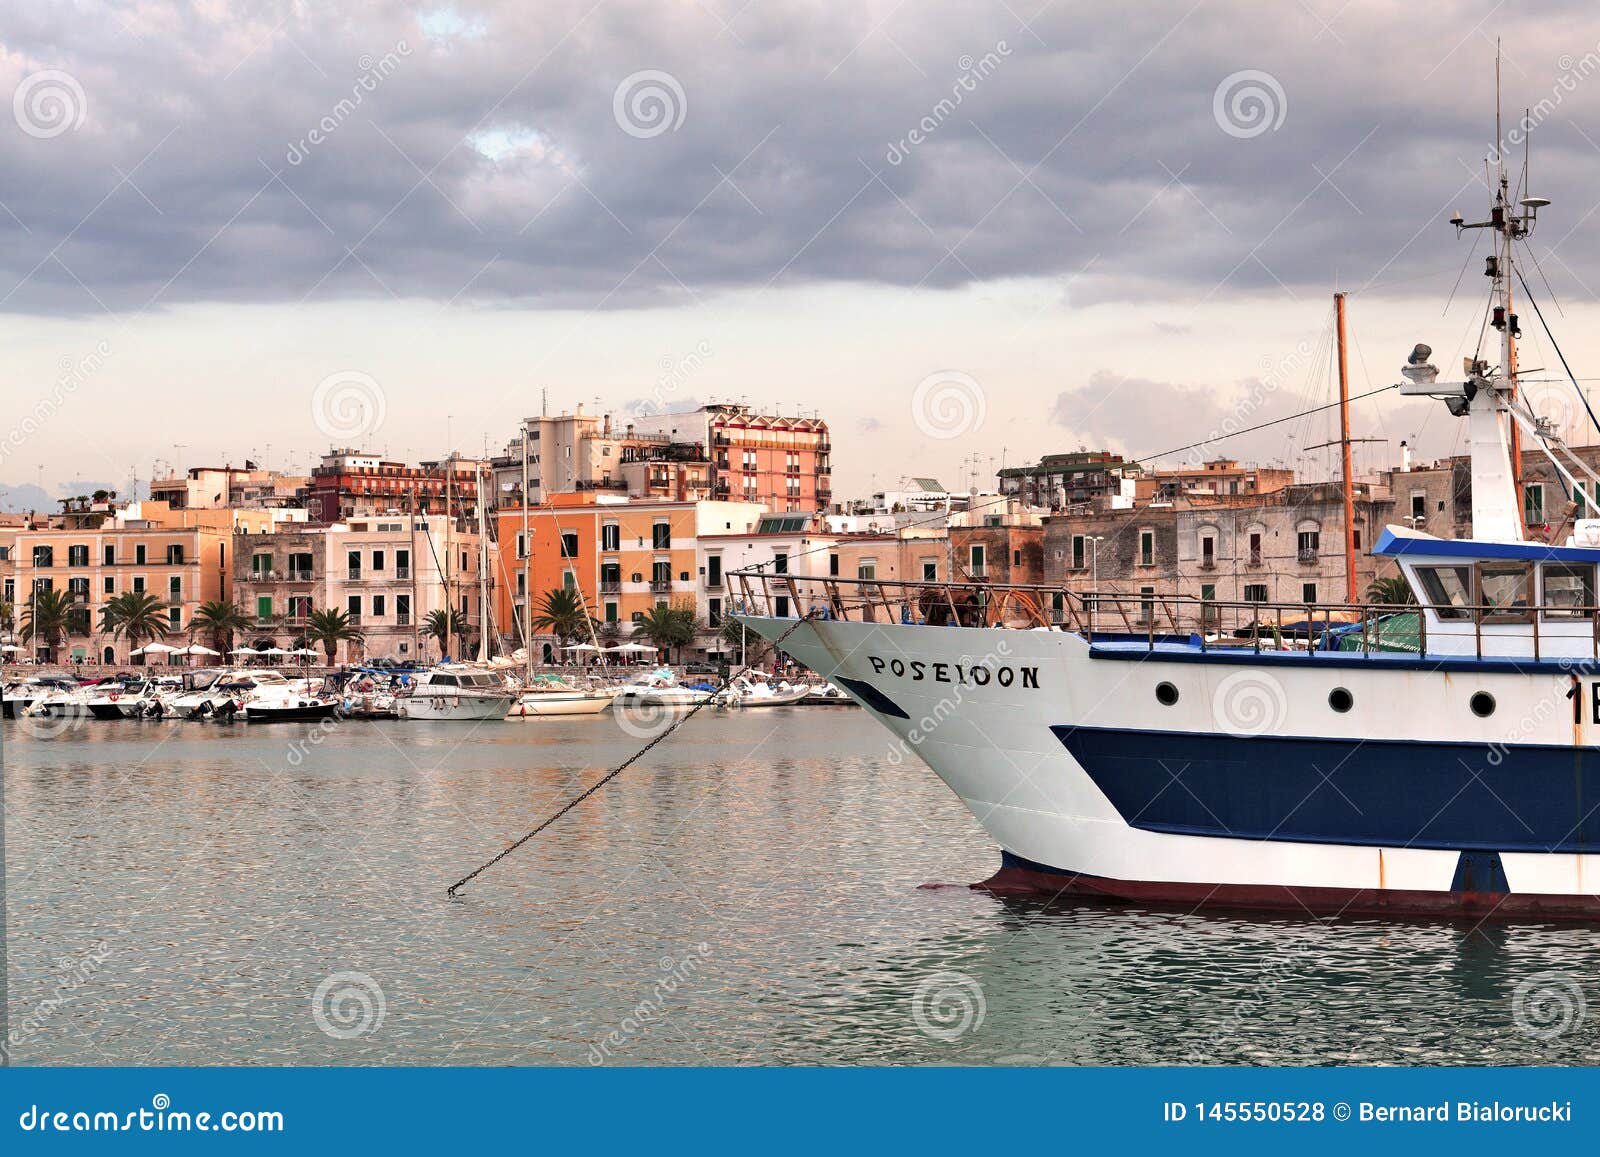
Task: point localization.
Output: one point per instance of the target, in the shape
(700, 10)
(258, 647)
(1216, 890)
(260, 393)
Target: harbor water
(754, 891)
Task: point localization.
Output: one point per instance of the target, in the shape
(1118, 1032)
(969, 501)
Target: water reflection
(750, 894)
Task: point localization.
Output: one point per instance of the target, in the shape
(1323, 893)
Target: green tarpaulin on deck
(1398, 632)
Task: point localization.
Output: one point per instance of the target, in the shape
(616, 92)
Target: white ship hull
(1249, 789)
(544, 703)
(453, 708)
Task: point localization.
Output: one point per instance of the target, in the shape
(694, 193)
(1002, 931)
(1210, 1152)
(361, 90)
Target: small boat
(21, 695)
(551, 695)
(661, 688)
(291, 709)
(456, 692)
(60, 698)
(827, 695)
(754, 690)
(105, 700)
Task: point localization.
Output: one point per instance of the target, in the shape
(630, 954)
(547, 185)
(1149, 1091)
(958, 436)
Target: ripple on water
(751, 893)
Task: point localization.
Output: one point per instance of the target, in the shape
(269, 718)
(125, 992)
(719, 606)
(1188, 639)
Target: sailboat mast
(483, 567)
(1344, 451)
(527, 559)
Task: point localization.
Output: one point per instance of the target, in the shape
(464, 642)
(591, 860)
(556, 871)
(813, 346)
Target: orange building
(625, 557)
(179, 556)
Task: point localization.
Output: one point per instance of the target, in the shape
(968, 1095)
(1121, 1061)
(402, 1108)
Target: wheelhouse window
(1506, 592)
(1568, 591)
(1447, 589)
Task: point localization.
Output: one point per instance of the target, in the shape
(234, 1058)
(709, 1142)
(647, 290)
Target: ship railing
(1166, 618)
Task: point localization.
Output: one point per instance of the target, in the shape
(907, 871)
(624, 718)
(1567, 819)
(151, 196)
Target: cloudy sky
(964, 233)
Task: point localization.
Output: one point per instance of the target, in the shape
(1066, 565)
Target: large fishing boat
(1437, 759)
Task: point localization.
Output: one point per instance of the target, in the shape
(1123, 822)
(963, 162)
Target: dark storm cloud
(473, 153)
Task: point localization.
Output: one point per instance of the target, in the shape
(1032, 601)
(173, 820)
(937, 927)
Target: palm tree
(46, 616)
(1391, 591)
(441, 624)
(222, 620)
(561, 612)
(135, 616)
(8, 616)
(667, 627)
(331, 626)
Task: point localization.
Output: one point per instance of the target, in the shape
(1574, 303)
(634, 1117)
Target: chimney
(1405, 457)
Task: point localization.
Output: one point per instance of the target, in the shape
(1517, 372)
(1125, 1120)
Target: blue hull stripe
(1460, 796)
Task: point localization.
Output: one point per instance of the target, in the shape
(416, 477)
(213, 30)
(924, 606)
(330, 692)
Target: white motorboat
(106, 700)
(21, 695)
(456, 692)
(551, 695)
(754, 690)
(661, 688)
(60, 699)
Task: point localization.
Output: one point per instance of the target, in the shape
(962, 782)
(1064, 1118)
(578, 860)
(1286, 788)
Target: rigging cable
(451, 891)
(1540, 313)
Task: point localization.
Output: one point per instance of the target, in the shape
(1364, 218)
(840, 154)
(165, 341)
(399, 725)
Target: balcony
(661, 586)
(1208, 563)
(295, 576)
(402, 574)
(1254, 560)
(1308, 557)
(713, 583)
(610, 586)
(402, 618)
(353, 574)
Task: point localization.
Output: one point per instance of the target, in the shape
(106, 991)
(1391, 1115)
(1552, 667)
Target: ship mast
(1489, 397)
(1344, 450)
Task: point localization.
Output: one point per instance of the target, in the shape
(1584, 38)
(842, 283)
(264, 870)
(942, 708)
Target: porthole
(1340, 699)
(1483, 704)
(1166, 694)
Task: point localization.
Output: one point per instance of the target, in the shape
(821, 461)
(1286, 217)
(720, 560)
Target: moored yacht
(551, 695)
(455, 692)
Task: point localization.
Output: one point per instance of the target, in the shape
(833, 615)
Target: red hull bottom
(1018, 877)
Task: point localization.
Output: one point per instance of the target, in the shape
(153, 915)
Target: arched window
(1308, 540)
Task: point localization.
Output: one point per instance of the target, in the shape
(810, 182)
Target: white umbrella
(197, 649)
(304, 651)
(581, 647)
(635, 647)
(10, 647)
(274, 651)
(244, 651)
(156, 649)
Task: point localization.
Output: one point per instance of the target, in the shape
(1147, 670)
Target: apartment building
(625, 556)
(179, 556)
(348, 481)
(1287, 547)
(388, 572)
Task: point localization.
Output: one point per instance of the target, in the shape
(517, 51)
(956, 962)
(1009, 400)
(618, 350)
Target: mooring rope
(450, 892)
